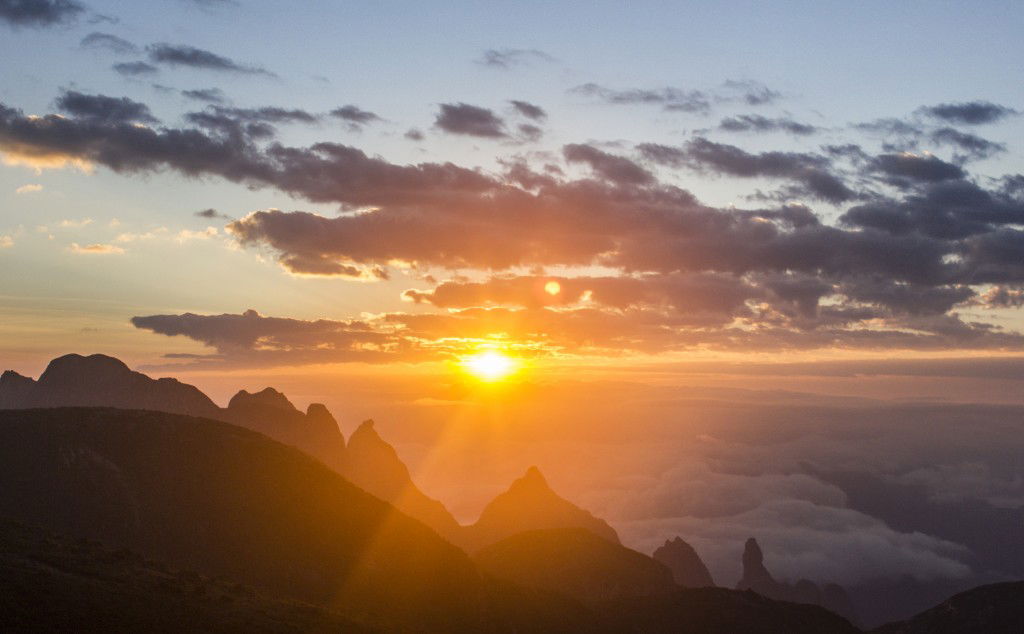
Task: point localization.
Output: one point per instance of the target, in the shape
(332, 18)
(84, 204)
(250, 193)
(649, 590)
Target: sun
(490, 365)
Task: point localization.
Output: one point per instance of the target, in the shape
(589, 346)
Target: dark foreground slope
(706, 610)
(993, 609)
(227, 501)
(53, 583)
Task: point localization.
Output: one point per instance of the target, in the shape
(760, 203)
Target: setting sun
(490, 365)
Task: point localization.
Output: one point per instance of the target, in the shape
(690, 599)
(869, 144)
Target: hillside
(49, 582)
(227, 501)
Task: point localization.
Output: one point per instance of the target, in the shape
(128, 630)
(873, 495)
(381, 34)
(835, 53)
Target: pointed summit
(684, 562)
(530, 504)
(374, 465)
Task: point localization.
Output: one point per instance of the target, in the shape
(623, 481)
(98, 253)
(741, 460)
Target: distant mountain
(375, 466)
(576, 562)
(530, 504)
(98, 380)
(224, 500)
(272, 414)
(687, 568)
(757, 578)
(54, 583)
(992, 609)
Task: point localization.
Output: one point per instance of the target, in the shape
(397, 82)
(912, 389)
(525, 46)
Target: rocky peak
(754, 571)
(687, 568)
(267, 397)
(75, 367)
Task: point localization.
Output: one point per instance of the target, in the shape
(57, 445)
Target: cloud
(354, 116)
(906, 169)
(135, 69)
(506, 58)
(181, 55)
(753, 93)
(968, 113)
(616, 169)
(39, 13)
(6, 242)
(209, 95)
(465, 119)
(758, 123)
(671, 99)
(968, 145)
(413, 134)
(210, 214)
(101, 109)
(108, 42)
(529, 110)
(29, 189)
(810, 171)
(95, 249)
(893, 272)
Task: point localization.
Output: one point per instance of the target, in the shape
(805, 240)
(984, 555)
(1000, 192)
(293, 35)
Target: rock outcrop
(757, 579)
(687, 568)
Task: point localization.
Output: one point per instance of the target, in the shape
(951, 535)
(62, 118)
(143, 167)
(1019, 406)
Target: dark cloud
(211, 214)
(266, 114)
(102, 109)
(757, 123)
(109, 42)
(39, 13)
(616, 169)
(951, 209)
(529, 110)
(906, 170)
(673, 99)
(968, 146)
(968, 113)
(413, 134)
(354, 116)
(209, 95)
(180, 55)
(506, 58)
(810, 171)
(463, 118)
(134, 69)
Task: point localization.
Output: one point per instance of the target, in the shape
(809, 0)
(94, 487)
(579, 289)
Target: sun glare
(490, 365)
(552, 288)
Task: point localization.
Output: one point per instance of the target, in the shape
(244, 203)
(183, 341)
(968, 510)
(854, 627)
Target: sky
(650, 206)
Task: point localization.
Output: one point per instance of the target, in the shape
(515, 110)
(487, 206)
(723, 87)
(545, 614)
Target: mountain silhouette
(687, 568)
(576, 562)
(756, 577)
(99, 380)
(374, 465)
(530, 504)
(224, 500)
(272, 414)
(992, 609)
(54, 583)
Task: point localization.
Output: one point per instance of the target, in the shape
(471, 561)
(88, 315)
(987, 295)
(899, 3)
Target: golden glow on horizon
(552, 288)
(490, 365)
